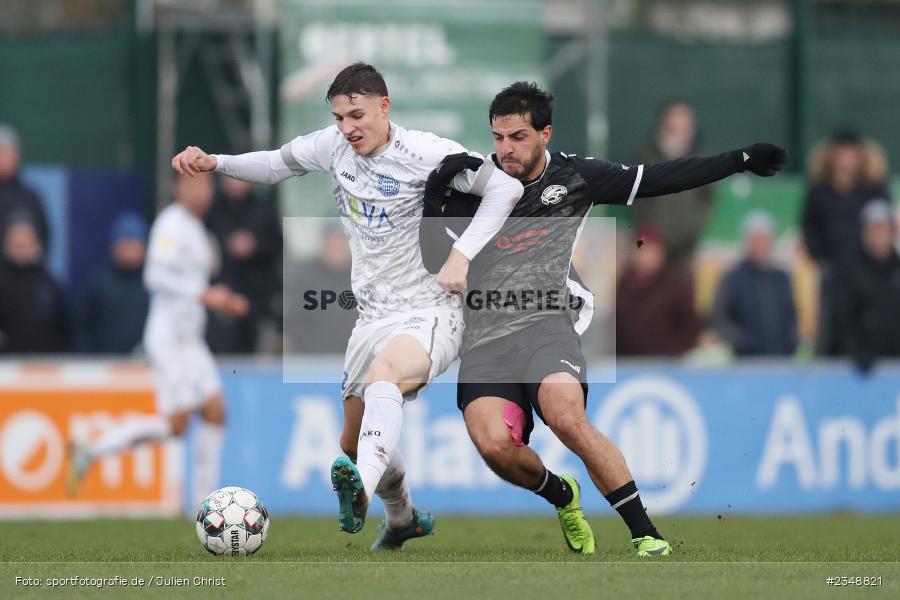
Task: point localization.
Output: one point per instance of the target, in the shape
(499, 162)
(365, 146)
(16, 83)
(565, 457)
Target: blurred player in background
(516, 362)
(410, 323)
(180, 261)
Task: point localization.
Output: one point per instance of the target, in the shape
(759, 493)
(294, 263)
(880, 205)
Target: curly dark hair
(524, 98)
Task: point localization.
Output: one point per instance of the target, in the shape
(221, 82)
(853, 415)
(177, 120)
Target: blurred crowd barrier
(760, 438)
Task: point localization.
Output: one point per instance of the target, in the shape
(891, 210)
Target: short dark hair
(359, 78)
(524, 98)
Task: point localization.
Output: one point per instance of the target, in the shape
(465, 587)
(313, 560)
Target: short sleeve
(311, 152)
(608, 183)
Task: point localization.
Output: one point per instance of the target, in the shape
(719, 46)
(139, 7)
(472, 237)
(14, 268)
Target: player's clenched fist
(452, 276)
(193, 160)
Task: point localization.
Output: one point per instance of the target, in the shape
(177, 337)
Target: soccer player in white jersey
(180, 261)
(410, 322)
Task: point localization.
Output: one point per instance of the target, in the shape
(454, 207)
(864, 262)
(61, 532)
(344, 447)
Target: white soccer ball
(232, 521)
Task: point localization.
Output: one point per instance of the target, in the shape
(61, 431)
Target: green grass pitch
(500, 558)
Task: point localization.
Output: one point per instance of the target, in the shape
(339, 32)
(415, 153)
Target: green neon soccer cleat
(650, 546)
(422, 524)
(352, 500)
(576, 530)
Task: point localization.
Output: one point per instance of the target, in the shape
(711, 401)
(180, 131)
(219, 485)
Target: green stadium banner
(443, 63)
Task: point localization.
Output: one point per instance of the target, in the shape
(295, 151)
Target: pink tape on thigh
(514, 417)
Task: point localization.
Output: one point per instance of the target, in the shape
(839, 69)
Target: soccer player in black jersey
(521, 350)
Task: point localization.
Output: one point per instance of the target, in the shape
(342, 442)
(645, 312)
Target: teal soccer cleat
(422, 524)
(352, 500)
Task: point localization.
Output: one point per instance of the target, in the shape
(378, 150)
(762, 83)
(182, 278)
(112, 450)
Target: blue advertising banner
(81, 205)
(748, 439)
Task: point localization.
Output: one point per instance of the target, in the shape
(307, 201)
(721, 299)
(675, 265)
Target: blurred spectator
(845, 174)
(654, 302)
(868, 299)
(32, 308)
(680, 217)
(248, 230)
(313, 331)
(15, 198)
(112, 314)
(754, 308)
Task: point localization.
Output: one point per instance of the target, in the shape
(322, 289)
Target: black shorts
(512, 367)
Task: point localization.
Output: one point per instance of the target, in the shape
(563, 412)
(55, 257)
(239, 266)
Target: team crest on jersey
(387, 185)
(553, 194)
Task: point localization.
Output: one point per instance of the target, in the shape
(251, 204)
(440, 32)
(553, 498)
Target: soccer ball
(232, 521)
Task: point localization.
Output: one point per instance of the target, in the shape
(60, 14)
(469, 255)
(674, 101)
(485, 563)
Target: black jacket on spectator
(113, 312)
(868, 306)
(32, 311)
(254, 277)
(831, 220)
(17, 200)
(754, 311)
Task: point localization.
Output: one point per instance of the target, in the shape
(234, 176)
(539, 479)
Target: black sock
(553, 489)
(627, 503)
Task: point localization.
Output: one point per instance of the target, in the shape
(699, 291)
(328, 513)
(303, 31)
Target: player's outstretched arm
(305, 153)
(612, 183)
(255, 167)
(761, 159)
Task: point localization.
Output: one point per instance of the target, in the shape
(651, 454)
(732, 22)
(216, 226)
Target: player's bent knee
(568, 427)
(495, 449)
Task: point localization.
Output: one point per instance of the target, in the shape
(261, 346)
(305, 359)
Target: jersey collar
(382, 149)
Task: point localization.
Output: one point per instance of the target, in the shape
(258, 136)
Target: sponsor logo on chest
(553, 194)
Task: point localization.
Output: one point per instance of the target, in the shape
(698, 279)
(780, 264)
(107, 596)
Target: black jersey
(524, 273)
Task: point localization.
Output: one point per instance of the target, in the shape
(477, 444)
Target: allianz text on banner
(748, 439)
(42, 406)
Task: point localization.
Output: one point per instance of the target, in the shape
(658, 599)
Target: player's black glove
(443, 174)
(761, 159)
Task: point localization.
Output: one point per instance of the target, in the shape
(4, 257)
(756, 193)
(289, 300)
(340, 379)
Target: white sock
(208, 441)
(393, 489)
(379, 432)
(130, 433)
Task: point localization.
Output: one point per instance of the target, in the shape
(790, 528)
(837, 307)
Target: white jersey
(180, 261)
(379, 198)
